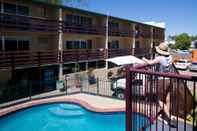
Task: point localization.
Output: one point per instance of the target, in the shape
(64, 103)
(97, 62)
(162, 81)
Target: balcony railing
(82, 29)
(176, 91)
(158, 36)
(83, 54)
(24, 59)
(9, 22)
(28, 59)
(119, 52)
(120, 32)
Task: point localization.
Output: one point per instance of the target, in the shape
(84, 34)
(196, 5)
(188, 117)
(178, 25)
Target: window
(0, 7)
(137, 44)
(16, 45)
(69, 45)
(23, 45)
(114, 44)
(22, 10)
(1, 46)
(113, 25)
(10, 45)
(89, 44)
(83, 45)
(80, 20)
(9, 8)
(15, 9)
(79, 44)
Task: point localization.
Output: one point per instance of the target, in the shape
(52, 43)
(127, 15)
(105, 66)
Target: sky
(178, 15)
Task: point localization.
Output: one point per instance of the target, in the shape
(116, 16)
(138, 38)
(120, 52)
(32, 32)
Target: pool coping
(78, 101)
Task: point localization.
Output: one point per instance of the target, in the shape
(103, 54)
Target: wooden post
(128, 99)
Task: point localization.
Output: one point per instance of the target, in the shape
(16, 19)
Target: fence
(21, 91)
(167, 99)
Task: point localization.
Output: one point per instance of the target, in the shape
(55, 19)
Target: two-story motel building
(35, 34)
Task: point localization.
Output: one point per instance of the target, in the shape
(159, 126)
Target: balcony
(158, 36)
(82, 29)
(120, 32)
(25, 59)
(119, 52)
(83, 54)
(9, 22)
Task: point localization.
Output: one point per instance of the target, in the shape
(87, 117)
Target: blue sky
(179, 15)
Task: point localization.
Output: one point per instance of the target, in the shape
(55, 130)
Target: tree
(193, 38)
(172, 46)
(183, 41)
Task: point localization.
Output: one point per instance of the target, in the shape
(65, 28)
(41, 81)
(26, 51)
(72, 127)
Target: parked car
(118, 87)
(182, 64)
(193, 66)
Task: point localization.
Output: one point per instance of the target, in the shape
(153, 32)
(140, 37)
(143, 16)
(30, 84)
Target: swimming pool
(65, 117)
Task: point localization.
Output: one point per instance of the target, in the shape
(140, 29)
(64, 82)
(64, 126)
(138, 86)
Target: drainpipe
(107, 39)
(60, 44)
(133, 45)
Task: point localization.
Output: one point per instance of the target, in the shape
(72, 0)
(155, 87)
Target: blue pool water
(65, 117)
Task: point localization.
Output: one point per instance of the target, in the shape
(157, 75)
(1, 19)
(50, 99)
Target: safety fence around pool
(168, 99)
(19, 92)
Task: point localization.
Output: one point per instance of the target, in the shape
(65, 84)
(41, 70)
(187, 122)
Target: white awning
(125, 60)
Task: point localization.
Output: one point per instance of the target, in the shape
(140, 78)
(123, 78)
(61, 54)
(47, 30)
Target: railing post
(13, 65)
(30, 89)
(128, 99)
(66, 84)
(97, 85)
(40, 70)
(13, 72)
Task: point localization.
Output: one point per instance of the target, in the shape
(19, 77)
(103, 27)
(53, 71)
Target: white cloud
(158, 24)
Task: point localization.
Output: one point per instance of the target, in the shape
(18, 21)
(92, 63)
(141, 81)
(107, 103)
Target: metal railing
(17, 91)
(167, 99)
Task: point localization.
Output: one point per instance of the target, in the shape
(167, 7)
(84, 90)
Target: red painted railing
(146, 88)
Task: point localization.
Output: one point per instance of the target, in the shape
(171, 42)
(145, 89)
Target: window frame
(78, 44)
(17, 43)
(3, 9)
(17, 10)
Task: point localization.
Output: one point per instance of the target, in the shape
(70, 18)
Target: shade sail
(125, 60)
